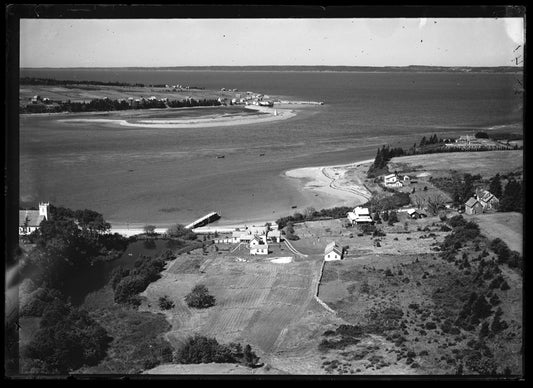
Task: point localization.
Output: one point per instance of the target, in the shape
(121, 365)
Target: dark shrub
(199, 297)
(165, 303)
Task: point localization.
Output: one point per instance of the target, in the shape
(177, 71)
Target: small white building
(333, 252)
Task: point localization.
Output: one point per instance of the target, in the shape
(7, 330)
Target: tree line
(107, 105)
(56, 82)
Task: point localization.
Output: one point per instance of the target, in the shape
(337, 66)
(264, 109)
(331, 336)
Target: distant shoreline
(340, 69)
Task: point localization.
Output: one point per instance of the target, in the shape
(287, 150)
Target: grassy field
(507, 226)
(268, 305)
(485, 163)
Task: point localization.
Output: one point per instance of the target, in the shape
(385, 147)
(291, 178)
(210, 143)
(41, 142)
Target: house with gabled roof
(333, 252)
(473, 206)
(487, 199)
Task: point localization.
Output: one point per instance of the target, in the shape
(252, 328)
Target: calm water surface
(163, 176)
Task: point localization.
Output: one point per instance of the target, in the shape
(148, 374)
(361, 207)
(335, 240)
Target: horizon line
(237, 66)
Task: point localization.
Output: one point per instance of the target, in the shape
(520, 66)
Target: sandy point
(344, 183)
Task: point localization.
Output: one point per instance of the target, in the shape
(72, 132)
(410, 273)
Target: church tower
(43, 209)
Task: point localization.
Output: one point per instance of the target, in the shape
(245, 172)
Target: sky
(248, 42)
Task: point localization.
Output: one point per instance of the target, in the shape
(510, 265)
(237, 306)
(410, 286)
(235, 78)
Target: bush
(199, 297)
(165, 303)
(180, 231)
(129, 287)
(456, 221)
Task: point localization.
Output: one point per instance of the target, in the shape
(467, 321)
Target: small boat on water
(261, 154)
(294, 207)
(221, 156)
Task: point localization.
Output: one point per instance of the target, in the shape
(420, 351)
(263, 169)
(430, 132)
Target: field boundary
(320, 301)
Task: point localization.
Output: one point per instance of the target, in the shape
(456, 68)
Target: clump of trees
(200, 349)
(67, 339)
(383, 156)
(69, 243)
(127, 283)
(474, 310)
(289, 232)
(200, 298)
(512, 198)
(463, 231)
(505, 255)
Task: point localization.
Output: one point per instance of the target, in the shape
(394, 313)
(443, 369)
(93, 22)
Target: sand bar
(271, 114)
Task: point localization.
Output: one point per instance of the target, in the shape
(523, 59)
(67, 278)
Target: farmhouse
(473, 206)
(258, 247)
(333, 252)
(487, 200)
(360, 215)
(29, 220)
(392, 180)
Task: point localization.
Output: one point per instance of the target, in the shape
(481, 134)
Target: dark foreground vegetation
(199, 349)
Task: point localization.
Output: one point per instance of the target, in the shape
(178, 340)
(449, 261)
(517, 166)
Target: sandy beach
(270, 114)
(342, 184)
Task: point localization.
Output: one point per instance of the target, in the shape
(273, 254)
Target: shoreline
(334, 184)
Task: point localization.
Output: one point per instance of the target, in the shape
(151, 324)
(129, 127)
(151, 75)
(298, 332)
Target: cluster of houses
(248, 98)
(257, 238)
(469, 142)
(481, 202)
(38, 100)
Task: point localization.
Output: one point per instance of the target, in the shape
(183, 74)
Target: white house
(259, 249)
(256, 240)
(274, 236)
(333, 252)
(360, 215)
(392, 180)
(29, 220)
